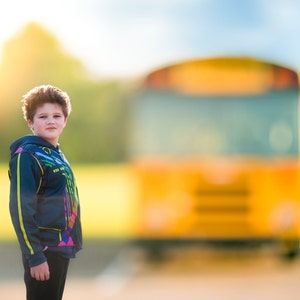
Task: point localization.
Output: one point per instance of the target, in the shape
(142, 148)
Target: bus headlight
(284, 218)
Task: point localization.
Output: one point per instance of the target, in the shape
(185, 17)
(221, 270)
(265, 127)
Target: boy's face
(48, 122)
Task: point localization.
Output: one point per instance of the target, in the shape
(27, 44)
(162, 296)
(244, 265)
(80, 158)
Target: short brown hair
(44, 94)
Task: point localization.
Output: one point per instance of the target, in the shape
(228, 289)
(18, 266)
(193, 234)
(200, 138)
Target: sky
(128, 38)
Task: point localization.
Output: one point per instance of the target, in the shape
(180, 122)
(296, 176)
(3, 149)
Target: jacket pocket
(50, 236)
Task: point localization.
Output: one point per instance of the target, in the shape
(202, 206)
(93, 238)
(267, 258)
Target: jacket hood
(28, 139)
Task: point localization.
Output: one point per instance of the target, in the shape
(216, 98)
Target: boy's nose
(50, 120)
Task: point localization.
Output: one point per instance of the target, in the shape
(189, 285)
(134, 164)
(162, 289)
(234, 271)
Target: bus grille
(221, 210)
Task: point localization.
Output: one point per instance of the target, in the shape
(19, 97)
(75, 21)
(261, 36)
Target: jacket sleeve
(25, 180)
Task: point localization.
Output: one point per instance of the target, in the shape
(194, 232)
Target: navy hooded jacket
(44, 202)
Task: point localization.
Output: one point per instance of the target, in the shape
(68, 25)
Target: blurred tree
(33, 57)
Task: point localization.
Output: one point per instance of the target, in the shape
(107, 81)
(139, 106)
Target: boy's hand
(40, 272)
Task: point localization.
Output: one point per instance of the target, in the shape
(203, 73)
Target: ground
(118, 271)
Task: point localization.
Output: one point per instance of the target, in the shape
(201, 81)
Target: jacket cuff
(36, 259)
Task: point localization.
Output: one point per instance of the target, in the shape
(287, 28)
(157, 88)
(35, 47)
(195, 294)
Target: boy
(44, 202)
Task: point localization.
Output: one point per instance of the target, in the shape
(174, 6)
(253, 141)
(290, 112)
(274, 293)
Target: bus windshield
(170, 123)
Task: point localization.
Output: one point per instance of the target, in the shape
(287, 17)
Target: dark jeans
(53, 288)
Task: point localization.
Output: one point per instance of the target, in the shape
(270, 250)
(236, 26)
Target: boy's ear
(29, 123)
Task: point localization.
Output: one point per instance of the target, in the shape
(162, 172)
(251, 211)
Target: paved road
(114, 271)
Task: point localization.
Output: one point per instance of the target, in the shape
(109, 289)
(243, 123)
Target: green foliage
(95, 131)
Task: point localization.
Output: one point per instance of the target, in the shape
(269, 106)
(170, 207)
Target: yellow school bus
(215, 147)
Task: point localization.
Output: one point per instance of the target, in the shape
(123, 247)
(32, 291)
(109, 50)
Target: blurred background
(147, 80)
